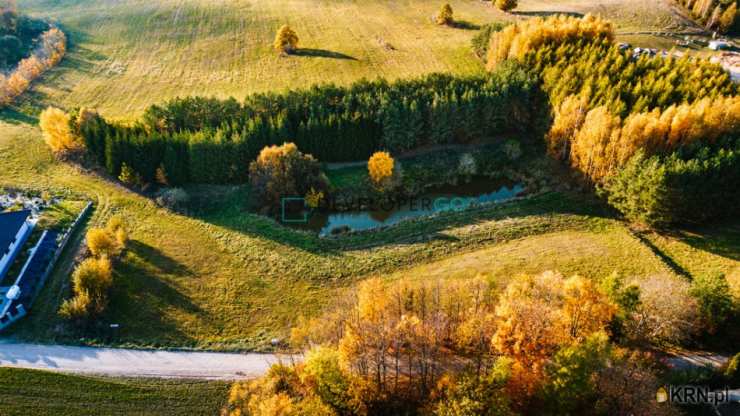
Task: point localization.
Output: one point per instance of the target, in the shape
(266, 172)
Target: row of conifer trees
(645, 130)
(212, 141)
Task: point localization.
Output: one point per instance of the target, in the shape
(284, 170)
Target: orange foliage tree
(51, 49)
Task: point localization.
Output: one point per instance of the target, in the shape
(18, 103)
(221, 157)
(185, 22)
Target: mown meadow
(126, 55)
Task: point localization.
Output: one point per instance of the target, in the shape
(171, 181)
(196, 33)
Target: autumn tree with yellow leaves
(444, 17)
(57, 130)
(452, 347)
(284, 171)
(93, 277)
(505, 5)
(52, 45)
(384, 171)
(286, 40)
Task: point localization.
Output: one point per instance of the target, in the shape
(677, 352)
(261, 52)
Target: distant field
(41, 393)
(128, 54)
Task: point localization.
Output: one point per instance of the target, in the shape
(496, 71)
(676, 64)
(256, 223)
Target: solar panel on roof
(10, 224)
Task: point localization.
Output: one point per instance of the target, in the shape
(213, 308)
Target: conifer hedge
(206, 140)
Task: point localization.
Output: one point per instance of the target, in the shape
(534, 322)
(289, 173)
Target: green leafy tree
(570, 375)
(323, 373)
(712, 293)
(129, 176)
(478, 396)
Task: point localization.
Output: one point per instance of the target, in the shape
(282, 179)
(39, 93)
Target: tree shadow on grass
(322, 53)
(143, 302)
(546, 14)
(464, 25)
(16, 115)
(158, 259)
(721, 238)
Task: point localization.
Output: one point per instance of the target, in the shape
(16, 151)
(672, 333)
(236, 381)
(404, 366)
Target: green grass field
(42, 393)
(227, 279)
(126, 55)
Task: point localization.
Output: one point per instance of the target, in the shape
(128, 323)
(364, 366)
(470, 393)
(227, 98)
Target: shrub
(712, 293)
(93, 276)
(129, 177)
(380, 166)
(76, 309)
(512, 149)
(286, 40)
(55, 125)
(102, 243)
(116, 227)
(173, 198)
(382, 170)
(666, 313)
(109, 241)
(444, 17)
(314, 198)
(482, 39)
(90, 283)
(506, 5)
(161, 176)
(467, 165)
(283, 171)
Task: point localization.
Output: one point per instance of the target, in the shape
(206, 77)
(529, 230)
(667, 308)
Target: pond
(448, 198)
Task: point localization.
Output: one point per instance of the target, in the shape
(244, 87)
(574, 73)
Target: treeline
(662, 189)
(720, 15)
(518, 40)
(213, 141)
(18, 34)
(608, 106)
(598, 143)
(607, 76)
(51, 48)
(542, 344)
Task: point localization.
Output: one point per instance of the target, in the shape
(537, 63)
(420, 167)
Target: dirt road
(136, 363)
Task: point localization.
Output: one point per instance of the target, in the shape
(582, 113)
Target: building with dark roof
(15, 227)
